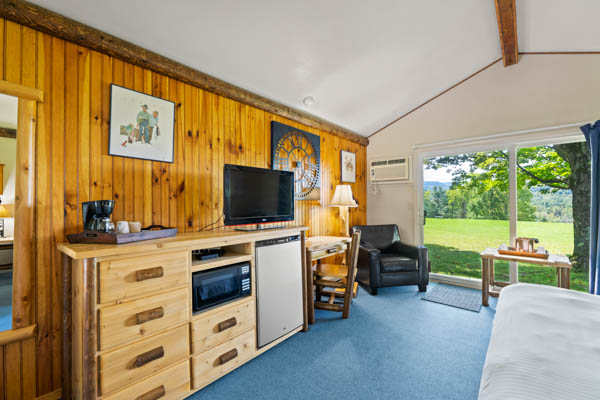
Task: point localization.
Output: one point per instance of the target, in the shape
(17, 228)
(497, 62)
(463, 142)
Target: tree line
(535, 204)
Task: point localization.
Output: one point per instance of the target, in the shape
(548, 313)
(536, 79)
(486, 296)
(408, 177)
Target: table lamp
(343, 199)
(4, 213)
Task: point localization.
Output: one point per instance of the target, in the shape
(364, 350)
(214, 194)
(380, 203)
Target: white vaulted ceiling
(365, 62)
(558, 25)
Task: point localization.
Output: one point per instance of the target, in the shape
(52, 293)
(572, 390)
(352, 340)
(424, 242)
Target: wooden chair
(340, 278)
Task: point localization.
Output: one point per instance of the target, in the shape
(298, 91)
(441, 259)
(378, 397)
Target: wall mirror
(18, 114)
(8, 155)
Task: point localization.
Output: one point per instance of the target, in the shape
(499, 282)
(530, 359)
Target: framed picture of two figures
(141, 126)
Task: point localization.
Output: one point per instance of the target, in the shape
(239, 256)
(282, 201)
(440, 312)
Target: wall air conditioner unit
(391, 169)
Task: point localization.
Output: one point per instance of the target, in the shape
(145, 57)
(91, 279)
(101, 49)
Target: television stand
(259, 227)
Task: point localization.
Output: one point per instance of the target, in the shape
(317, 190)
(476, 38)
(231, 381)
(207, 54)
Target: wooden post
(304, 282)
(83, 341)
(24, 243)
(492, 270)
(67, 329)
(310, 302)
(564, 277)
(485, 275)
(90, 374)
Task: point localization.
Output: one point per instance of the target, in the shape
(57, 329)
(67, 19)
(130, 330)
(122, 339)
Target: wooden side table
(491, 287)
(317, 248)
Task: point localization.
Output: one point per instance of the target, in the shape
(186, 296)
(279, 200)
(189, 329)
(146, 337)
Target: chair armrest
(368, 266)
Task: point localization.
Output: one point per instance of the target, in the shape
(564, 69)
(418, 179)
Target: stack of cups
(129, 227)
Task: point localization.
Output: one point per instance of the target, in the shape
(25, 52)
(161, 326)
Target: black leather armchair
(383, 260)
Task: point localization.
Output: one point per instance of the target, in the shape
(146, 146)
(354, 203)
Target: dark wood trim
(435, 97)
(54, 24)
(506, 14)
(8, 133)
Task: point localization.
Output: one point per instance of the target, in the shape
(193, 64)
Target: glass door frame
(475, 146)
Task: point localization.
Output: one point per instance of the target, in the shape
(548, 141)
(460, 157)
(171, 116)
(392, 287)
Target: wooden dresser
(129, 330)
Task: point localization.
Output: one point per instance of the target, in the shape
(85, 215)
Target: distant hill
(429, 185)
(549, 206)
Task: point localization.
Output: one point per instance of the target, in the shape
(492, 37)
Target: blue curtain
(592, 136)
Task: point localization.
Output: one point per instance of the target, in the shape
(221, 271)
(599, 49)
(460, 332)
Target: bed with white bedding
(545, 344)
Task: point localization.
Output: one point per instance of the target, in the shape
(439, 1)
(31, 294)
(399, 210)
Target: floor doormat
(455, 296)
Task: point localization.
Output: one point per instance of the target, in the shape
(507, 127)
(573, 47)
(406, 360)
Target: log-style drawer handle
(148, 356)
(230, 355)
(228, 323)
(154, 394)
(149, 315)
(149, 273)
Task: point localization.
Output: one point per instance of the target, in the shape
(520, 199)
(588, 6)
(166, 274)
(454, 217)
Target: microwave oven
(216, 286)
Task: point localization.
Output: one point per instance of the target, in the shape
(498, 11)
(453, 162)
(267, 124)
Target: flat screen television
(257, 195)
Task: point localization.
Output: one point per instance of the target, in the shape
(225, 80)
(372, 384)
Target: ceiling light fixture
(308, 101)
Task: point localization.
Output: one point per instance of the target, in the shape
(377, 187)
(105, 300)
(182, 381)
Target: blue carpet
(393, 346)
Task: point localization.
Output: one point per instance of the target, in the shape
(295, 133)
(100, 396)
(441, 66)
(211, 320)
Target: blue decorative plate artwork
(298, 151)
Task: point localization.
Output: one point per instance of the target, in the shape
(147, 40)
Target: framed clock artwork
(298, 151)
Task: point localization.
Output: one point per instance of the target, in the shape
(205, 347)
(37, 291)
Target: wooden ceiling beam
(507, 27)
(54, 24)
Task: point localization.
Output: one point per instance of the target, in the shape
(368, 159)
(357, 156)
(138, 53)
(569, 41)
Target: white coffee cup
(122, 227)
(135, 227)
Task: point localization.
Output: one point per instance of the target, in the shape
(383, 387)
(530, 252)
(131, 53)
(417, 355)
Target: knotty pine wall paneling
(73, 166)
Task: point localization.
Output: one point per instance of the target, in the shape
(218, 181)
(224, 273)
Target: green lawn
(454, 246)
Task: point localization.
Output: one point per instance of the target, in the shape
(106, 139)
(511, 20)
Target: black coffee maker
(96, 215)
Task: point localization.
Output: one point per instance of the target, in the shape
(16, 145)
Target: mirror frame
(23, 297)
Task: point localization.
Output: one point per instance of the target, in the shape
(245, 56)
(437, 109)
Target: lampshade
(343, 197)
(4, 213)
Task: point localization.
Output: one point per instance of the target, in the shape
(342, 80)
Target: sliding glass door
(554, 203)
(485, 199)
(466, 203)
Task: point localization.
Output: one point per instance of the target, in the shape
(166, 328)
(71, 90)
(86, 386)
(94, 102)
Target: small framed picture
(141, 126)
(348, 167)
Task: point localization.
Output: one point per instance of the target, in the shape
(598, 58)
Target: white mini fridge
(278, 288)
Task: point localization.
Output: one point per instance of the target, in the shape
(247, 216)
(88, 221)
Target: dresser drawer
(129, 364)
(140, 318)
(220, 326)
(216, 362)
(173, 383)
(128, 277)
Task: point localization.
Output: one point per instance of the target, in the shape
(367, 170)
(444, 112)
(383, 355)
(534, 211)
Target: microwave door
(216, 287)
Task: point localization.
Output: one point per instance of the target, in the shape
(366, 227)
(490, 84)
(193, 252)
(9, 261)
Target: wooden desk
(319, 247)
(491, 287)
